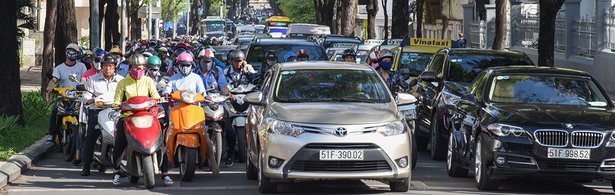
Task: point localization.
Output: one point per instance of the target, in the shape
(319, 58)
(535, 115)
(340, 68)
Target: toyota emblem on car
(341, 131)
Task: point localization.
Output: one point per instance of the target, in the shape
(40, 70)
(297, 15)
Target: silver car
(326, 120)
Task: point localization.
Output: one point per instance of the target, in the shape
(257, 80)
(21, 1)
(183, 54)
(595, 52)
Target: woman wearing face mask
(135, 84)
(373, 60)
(394, 81)
(98, 55)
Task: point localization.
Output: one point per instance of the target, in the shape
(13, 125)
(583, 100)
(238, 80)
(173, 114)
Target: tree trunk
(347, 17)
(231, 10)
(207, 8)
(444, 27)
(372, 10)
(49, 36)
(336, 17)
(194, 17)
(66, 29)
(326, 12)
(112, 29)
(548, 14)
(9, 77)
(275, 6)
(500, 25)
(135, 21)
(386, 19)
(419, 18)
(400, 19)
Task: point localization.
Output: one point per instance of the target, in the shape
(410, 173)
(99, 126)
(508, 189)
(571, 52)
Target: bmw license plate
(566, 153)
(341, 154)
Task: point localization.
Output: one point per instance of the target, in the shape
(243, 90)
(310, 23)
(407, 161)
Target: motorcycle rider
(134, 84)
(98, 56)
(87, 59)
(239, 72)
(163, 54)
(153, 69)
(303, 55)
(122, 66)
(61, 75)
(349, 56)
(270, 59)
(211, 73)
(103, 83)
(393, 80)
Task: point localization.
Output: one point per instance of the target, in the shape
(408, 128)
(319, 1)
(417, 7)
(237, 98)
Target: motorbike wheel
(148, 171)
(241, 143)
(68, 147)
(188, 167)
(218, 147)
(133, 179)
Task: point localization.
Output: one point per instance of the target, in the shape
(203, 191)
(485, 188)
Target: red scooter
(144, 138)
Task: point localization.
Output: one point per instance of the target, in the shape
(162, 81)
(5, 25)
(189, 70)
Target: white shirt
(101, 86)
(62, 72)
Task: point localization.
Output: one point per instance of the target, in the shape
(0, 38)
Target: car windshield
(330, 85)
(546, 89)
(412, 63)
(214, 26)
(463, 67)
(256, 55)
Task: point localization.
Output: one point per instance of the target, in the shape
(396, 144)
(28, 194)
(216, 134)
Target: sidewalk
(30, 79)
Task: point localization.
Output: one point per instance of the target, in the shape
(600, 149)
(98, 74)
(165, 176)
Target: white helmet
(207, 53)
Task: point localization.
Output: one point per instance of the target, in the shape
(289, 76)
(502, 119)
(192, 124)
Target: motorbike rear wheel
(148, 171)
(188, 167)
(241, 143)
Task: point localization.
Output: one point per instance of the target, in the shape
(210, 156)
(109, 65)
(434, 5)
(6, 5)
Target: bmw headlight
(392, 128)
(611, 142)
(284, 128)
(189, 96)
(505, 130)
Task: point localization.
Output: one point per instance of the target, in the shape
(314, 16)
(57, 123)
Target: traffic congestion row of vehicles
(493, 112)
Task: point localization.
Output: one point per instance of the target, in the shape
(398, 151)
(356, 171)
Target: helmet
(180, 45)
(185, 57)
(137, 59)
(302, 53)
(115, 51)
(109, 58)
(289, 57)
(74, 47)
(100, 53)
(153, 61)
(184, 63)
(385, 53)
(373, 55)
(88, 53)
(237, 55)
(271, 55)
(349, 52)
(163, 49)
(206, 53)
(147, 54)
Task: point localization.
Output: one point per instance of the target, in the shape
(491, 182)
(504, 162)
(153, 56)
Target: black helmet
(349, 52)
(109, 58)
(237, 55)
(271, 55)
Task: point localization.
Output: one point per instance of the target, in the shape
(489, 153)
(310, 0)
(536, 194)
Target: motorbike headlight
(449, 98)
(115, 116)
(142, 121)
(409, 111)
(505, 130)
(392, 128)
(284, 128)
(71, 94)
(189, 97)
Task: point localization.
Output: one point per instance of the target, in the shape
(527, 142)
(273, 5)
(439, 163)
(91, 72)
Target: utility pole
(158, 4)
(149, 19)
(188, 18)
(94, 30)
(123, 23)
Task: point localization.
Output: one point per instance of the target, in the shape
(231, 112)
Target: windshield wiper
(354, 100)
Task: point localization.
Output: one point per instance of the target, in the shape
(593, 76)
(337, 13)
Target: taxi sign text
(430, 42)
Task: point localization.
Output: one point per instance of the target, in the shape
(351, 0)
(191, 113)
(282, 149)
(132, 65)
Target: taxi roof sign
(427, 42)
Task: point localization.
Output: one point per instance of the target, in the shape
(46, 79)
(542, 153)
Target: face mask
(97, 65)
(185, 70)
(136, 74)
(209, 66)
(385, 65)
(155, 71)
(374, 65)
(71, 55)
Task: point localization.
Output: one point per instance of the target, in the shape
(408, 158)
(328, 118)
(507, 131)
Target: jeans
(120, 146)
(91, 136)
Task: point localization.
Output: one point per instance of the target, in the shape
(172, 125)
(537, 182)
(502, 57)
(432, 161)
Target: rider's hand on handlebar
(90, 101)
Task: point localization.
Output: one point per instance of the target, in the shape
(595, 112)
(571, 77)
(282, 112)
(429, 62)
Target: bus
(277, 25)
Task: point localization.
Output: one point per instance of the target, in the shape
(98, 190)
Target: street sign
(155, 12)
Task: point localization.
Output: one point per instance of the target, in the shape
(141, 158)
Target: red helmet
(302, 53)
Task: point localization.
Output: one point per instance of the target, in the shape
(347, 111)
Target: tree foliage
(25, 20)
(299, 10)
(172, 9)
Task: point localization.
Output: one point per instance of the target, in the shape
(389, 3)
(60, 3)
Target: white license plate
(568, 153)
(341, 154)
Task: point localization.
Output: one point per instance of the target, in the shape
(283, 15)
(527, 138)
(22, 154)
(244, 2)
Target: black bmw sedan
(523, 121)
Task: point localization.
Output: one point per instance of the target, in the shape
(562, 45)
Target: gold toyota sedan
(327, 120)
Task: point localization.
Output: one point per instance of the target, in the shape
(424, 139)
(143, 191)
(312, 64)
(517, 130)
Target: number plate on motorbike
(566, 153)
(341, 154)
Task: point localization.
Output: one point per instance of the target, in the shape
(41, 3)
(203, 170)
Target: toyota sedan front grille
(586, 139)
(340, 166)
(555, 138)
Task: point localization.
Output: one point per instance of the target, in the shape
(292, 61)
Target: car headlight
(449, 98)
(505, 130)
(392, 128)
(189, 97)
(284, 128)
(142, 121)
(71, 94)
(611, 142)
(409, 111)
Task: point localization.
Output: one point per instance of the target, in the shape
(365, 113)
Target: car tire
(414, 152)
(482, 178)
(400, 185)
(251, 170)
(452, 168)
(264, 184)
(436, 143)
(421, 143)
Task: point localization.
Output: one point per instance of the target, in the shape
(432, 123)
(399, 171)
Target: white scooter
(238, 114)
(107, 119)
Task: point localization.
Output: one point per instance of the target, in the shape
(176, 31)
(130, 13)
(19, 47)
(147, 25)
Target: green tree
(172, 9)
(11, 96)
(24, 18)
(299, 10)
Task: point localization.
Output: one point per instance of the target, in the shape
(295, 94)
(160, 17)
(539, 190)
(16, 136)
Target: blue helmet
(98, 56)
(289, 56)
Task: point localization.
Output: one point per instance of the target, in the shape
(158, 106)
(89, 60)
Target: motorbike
(214, 114)
(238, 112)
(185, 138)
(144, 137)
(67, 122)
(107, 119)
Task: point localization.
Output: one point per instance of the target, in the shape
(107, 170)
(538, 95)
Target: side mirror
(214, 85)
(81, 87)
(470, 99)
(428, 76)
(254, 98)
(73, 78)
(405, 99)
(414, 82)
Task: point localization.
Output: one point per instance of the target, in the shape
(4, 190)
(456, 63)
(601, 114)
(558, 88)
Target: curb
(12, 168)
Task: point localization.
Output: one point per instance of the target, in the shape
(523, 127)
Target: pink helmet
(374, 55)
(206, 53)
(185, 57)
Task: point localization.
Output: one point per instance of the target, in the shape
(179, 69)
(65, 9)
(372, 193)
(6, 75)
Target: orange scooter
(186, 136)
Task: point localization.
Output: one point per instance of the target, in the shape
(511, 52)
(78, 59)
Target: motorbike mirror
(73, 78)
(405, 99)
(214, 85)
(254, 98)
(81, 87)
